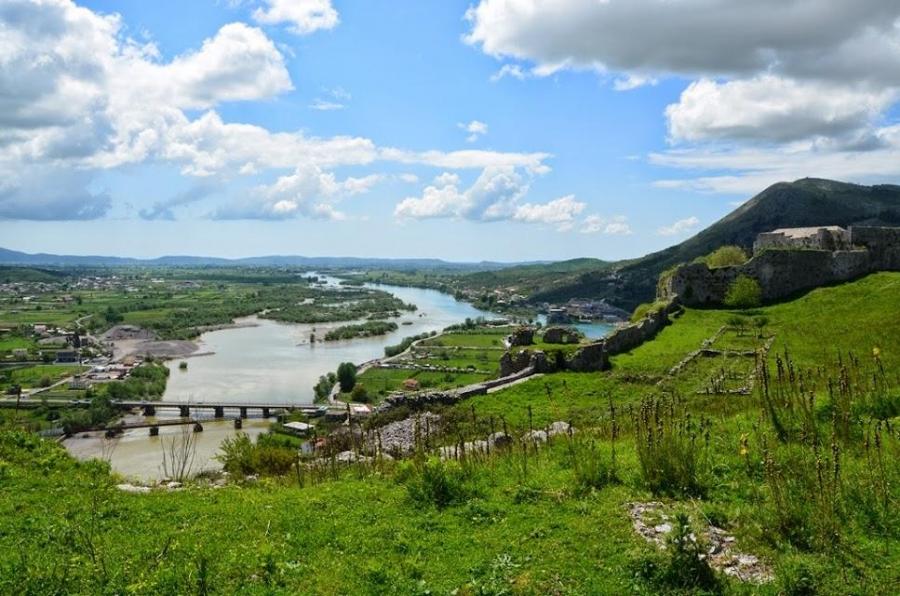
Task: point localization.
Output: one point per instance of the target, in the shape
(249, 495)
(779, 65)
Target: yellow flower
(744, 450)
(876, 352)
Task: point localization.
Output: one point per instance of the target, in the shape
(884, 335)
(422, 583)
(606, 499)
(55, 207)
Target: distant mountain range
(12, 257)
(805, 202)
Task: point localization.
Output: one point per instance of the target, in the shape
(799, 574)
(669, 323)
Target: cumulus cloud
(770, 108)
(816, 80)
(614, 226)
(309, 191)
(77, 95)
(493, 196)
(560, 212)
(679, 227)
(695, 37)
(302, 16)
(475, 129)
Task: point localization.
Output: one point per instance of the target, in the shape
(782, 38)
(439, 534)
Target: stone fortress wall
(786, 262)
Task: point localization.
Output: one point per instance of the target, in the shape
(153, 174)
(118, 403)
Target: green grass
(471, 339)
(9, 343)
(532, 524)
(31, 376)
(380, 382)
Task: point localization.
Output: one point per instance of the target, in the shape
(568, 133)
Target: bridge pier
(198, 428)
(184, 411)
(154, 431)
(219, 411)
(149, 410)
(238, 423)
(243, 412)
(265, 412)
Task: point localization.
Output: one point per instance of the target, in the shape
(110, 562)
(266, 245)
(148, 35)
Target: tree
(346, 375)
(744, 292)
(359, 394)
(726, 256)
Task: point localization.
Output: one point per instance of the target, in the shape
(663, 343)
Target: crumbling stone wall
(561, 335)
(883, 245)
(523, 336)
(782, 273)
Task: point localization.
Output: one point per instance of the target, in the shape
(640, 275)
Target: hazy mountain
(12, 257)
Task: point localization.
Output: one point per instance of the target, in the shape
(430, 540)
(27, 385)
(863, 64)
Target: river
(269, 362)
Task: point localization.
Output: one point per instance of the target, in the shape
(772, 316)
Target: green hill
(806, 202)
(817, 505)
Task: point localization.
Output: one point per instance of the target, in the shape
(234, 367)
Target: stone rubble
(653, 524)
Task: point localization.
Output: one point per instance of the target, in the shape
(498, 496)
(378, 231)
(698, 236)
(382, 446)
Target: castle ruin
(791, 260)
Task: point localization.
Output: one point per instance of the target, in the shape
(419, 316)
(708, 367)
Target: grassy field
(39, 375)
(802, 472)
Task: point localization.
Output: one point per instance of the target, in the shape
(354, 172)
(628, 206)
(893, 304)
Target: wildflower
(876, 352)
(744, 449)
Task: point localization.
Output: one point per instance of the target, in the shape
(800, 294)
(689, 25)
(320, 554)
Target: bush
(744, 292)
(646, 309)
(438, 482)
(593, 468)
(666, 440)
(359, 394)
(725, 256)
(269, 456)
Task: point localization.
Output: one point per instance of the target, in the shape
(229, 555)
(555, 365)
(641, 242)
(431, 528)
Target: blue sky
(500, 130)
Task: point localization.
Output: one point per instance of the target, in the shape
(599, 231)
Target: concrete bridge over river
(184, 409)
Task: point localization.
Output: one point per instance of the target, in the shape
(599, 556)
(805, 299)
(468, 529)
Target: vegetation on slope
(800, 472)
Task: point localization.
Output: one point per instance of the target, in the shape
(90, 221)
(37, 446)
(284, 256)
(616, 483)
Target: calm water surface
(268, 362)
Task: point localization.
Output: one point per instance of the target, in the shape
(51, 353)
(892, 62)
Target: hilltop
(805, 202)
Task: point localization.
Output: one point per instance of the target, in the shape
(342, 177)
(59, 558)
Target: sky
(505, 130)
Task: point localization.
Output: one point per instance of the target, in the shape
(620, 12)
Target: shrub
(438, 482)
(666, 440)
(744, 292)
(687, 565)
(725, 256)
(359, 394)
(270, 457)
(594, 470)
(646, 309)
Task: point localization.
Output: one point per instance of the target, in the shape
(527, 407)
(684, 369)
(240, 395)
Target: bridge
(184, 408)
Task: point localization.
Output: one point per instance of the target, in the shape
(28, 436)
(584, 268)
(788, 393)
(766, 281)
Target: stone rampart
(782, 273)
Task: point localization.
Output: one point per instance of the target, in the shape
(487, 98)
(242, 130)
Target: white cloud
(814, 38)
(615, 226)
(309, 191)
(469, 159)
(509, 70)
(629, 82)
(323, 105)
(748, 170)
(79, 96)
(771, 108)
(336, 99)
(681, 226)
(475, 129)
(303, 16)
(560, 212)
(824, 72)
(493, 196)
